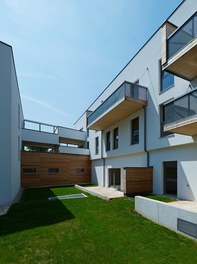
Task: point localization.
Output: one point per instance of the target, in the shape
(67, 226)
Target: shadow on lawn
(34, 213)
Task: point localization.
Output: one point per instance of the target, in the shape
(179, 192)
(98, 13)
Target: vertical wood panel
(66, 163)
(166, 31)
(137, 180)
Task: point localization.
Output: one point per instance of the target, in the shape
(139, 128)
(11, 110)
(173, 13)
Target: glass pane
(176, 110)
(195, 26)
(167, 80)
(193, 104)
(182, 36)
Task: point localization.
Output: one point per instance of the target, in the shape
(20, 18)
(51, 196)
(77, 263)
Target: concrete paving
(102, 192)
(186, 205)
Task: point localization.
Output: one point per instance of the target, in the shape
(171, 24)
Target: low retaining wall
(167, 215)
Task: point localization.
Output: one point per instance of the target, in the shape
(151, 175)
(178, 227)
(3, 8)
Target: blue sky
(67, 51)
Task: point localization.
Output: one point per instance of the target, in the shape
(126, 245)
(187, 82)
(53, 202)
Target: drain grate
(70, 196)
(187, 227)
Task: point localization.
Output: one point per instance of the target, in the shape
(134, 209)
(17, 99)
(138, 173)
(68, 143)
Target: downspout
(145, 138)
(103, 158)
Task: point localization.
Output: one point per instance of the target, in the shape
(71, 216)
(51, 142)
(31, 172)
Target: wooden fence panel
(70, 169)
(137, 181)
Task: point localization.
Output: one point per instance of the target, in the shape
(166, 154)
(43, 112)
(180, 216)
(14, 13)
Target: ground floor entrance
(114, 178)
(170, 177)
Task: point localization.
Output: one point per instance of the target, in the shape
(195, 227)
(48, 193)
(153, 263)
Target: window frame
(96, 145)
(116, 138)
(161, 78)
(133, 142)
(162, 120)
(108, 141)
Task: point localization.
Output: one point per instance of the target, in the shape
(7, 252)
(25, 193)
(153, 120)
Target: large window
(167, 80)
(96, 145)
(108, 141)
(135, 131)
(115, 138)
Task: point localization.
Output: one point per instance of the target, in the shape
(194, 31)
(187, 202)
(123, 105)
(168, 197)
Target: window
(29, 170)
(167, 80)
(108, 143)
(115, 138)
(53, 170)
(96, 145)
(135, 131)
(80, 170)
(162, 122)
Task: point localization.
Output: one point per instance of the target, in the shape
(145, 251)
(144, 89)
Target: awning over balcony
(127, 99)
(181, 50)
(181, 115)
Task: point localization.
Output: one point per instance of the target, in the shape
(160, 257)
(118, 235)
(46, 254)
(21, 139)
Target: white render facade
(11, 119)
(153, 149)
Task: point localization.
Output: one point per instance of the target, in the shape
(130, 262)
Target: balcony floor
(122, 109)
(186, 126)
(184, 63)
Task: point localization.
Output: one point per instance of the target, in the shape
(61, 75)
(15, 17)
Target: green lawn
(88, 230)
(161, 198)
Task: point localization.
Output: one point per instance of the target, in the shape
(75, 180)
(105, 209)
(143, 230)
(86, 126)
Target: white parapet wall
(167, 214)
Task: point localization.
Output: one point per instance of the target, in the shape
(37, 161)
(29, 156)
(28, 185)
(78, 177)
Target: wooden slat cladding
(137, 180)
(166, 31)
(71, 169)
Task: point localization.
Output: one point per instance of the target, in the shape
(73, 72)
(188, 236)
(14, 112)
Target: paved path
(102, 192)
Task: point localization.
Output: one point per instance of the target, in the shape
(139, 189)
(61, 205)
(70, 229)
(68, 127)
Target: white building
(11, 119)
(147, 116)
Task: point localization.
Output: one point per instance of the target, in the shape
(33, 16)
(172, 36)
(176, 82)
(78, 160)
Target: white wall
(186, 157)
(10, 133)
(97, 172)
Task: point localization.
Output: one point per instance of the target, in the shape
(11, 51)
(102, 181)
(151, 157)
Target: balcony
(123, 102)
(181, 50)
(48, 134)
(181, 115)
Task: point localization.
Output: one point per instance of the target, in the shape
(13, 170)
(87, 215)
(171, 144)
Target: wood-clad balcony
(180, 55)
(123, 102)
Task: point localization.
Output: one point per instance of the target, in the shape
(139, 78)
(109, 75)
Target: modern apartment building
(146, 117)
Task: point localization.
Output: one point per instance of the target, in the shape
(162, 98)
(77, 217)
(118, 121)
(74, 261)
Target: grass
(88, 230)
(164, 199)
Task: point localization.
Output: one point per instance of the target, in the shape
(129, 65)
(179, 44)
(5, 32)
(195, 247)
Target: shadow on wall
(34, 212)
(188, 181)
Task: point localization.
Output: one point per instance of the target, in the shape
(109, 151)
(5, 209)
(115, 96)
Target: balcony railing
(41, 127)
(182, 36)
(181, 108)
(126, 90)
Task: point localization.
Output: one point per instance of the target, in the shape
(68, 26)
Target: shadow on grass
(29, 214)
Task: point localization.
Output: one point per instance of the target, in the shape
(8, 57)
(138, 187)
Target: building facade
(146, 117)
(11, 118)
